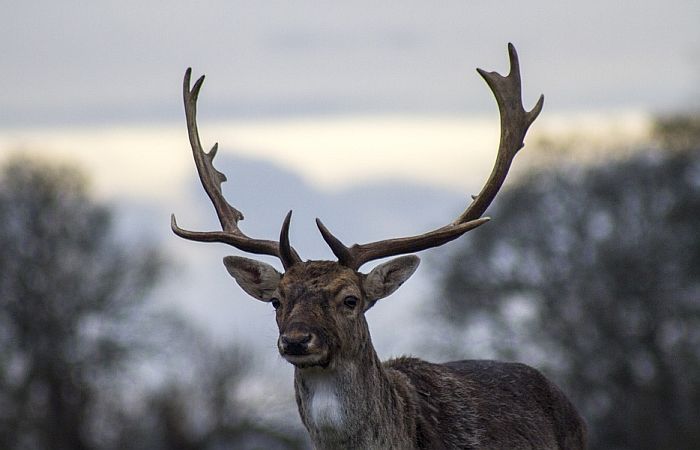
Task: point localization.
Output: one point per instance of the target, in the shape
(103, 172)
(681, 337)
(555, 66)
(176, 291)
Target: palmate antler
(211, 180)
(515, 122)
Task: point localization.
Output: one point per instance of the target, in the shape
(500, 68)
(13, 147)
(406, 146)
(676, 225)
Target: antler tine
(515, 122)
(210, 177)
(287, 254)
(357, 255)
(211, 181)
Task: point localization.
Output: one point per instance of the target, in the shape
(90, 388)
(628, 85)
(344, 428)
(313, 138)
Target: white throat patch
(325, 405)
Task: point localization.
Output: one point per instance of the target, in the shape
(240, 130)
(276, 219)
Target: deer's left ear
(384, 279)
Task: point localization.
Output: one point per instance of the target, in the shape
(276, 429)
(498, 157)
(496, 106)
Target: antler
(515, 122)
(211, 181)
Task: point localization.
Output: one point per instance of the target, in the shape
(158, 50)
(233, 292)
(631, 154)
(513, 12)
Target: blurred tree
(68, 296)
(678, 131)
(202, 411)
(76, 331)
(593, 274)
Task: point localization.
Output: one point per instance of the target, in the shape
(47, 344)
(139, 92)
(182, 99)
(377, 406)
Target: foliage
(199, 408)
(78, 334)
(678, 131)
(66, 294)
(592, 274)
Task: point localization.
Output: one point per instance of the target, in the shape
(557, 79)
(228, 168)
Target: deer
(346, 396)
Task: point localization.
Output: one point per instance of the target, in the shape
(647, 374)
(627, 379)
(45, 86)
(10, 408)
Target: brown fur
(349, 399)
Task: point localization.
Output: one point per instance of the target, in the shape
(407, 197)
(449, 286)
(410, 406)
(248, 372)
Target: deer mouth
(308, 359)
(303, 348)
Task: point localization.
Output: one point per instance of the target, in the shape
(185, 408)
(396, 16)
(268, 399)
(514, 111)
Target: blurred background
(114, 333)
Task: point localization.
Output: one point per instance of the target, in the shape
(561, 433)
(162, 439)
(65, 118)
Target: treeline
(87, 362)
(593, 274)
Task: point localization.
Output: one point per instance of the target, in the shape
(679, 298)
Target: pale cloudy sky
(103, 61)
(340, 92)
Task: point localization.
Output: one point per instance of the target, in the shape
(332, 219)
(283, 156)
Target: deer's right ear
(257, 278)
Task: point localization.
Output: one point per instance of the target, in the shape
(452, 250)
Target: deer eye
(275, 303)
(350, 301)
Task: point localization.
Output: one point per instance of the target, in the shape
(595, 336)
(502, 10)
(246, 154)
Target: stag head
(320, 305)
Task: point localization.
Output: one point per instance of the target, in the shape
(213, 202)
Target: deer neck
(353, 404)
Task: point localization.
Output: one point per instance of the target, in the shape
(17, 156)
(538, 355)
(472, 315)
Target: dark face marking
(320, 316)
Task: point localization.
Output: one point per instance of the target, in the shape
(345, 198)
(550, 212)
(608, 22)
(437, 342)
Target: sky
(369, 110)
(340, 92)
(75, 62)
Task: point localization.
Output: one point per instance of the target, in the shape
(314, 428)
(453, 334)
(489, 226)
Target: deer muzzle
(301, 347)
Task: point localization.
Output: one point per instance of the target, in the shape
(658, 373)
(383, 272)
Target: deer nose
(295, 342)
(296, 338)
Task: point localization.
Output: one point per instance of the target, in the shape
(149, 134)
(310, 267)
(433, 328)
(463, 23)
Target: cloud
(109, 61)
